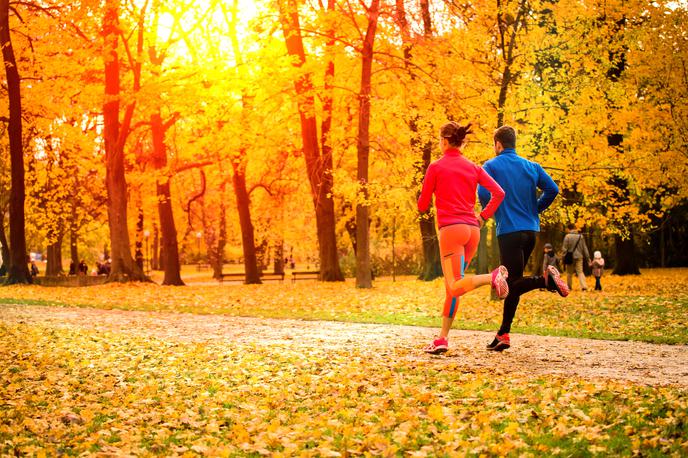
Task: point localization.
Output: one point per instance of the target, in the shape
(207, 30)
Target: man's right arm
(564, 246)
(483, 194)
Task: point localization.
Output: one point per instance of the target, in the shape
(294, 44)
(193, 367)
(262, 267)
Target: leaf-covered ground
(651, 307)
(117, 383)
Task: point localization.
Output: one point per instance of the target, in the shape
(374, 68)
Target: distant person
(574, 253)
(550, 258)
(72, 268)
(83, 268)
(453, 180)
(34, 269)
(597, 265)
(518, 220)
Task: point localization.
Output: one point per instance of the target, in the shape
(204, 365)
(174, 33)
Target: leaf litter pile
(115, 383)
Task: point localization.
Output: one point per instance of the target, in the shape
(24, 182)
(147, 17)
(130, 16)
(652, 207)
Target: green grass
(650, 308)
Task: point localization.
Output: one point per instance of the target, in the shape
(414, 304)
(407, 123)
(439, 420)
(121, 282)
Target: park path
(637, 362)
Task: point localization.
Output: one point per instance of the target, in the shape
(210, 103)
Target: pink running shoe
(554, 282)
(437, 346)
(499, 276)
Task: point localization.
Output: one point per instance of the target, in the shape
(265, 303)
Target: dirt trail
(636, 362)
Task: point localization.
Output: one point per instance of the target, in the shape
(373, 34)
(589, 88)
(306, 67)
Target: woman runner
(454, 180)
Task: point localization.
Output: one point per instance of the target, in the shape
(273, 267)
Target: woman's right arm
(428, 188)
(496, 193)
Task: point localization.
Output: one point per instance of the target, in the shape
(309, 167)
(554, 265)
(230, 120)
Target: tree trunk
(327, 97)
(74, 237)
(427, 18)
(363, 273)
(332, 271)
(662, 244)
(432, 267)
(138, 252)
(626, 263)
(626, 259)
(350, 225)
(171, 264)
(482, 266)
(216, 247)
(278, 261)
(506, 43)
(114, 134)
(252, 269)
(318, 167)
(4, 247)
(155, 262)
(54, 266)
(19, 269)
(247, 237)
(548, 234)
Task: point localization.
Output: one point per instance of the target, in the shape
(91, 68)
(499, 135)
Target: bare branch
(260, 185)
(189, 165)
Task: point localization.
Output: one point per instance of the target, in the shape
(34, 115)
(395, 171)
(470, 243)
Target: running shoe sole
(499, 276)
(559, 285)
(436, 350)
(501, 346)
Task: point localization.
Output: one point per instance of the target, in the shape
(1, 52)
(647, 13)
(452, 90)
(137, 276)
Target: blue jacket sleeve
(549, 189)
(483, 194)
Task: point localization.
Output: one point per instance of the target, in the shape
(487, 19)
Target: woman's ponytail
(455, 133)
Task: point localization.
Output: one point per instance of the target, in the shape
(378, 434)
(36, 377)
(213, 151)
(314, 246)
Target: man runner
(518, 221)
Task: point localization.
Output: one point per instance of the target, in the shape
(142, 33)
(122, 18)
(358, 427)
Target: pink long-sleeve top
(454, 180)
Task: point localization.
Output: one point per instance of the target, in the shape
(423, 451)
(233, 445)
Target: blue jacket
(520, 179)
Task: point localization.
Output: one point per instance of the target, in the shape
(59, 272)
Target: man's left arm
(586, 253)
(549, 189)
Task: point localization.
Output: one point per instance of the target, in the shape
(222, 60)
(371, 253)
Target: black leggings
(514, 250)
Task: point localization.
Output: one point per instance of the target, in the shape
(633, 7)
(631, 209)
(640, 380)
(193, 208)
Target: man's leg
(526, 284)
(569, 275)
(512, 257)
(581, 275)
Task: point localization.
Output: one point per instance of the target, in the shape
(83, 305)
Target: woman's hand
(481, 221)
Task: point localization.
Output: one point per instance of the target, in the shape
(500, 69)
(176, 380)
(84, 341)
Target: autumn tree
(318, 165)
(18, 269)
(115, 133)
(420, 144)
(363, 278)
(239, 159)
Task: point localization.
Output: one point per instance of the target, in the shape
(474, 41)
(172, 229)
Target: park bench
(272, 277)
(240, 276)
(70, 281)
(305, 275)
(234, 276)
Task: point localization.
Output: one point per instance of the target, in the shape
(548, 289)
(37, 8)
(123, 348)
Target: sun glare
(204, 30)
